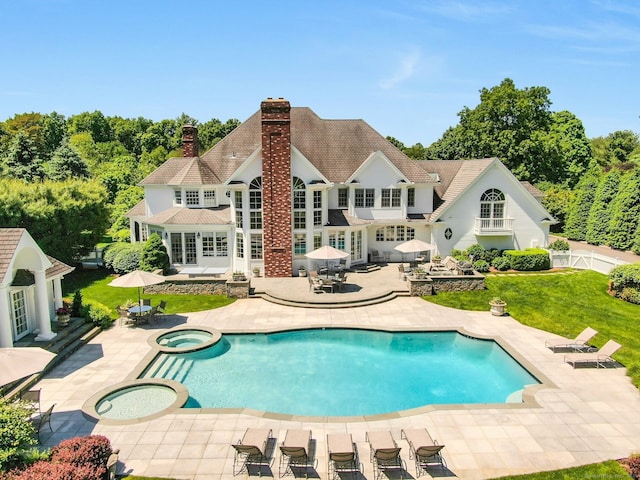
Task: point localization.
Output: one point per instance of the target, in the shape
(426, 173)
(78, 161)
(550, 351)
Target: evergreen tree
(154, 255)
(600, 213)
(66, 163)
(22, 161)
(578, 215)
(625, 211)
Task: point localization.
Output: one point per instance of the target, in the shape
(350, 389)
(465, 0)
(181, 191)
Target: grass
(562, 304)
(610, 470)
(93, 285)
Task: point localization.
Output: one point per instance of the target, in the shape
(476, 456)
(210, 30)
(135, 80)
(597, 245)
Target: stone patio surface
(584, 416)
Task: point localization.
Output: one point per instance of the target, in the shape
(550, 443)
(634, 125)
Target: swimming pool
(341, 372)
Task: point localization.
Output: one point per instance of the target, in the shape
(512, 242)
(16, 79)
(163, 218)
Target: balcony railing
(494, 226)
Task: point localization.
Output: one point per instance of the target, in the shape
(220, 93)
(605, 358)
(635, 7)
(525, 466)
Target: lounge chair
(578, 344)
(423, 449)
(342, 455)
(600, 358)
(385, 454)
(296, 452)
(252, 450)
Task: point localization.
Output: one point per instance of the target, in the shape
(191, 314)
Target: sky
(405, 67)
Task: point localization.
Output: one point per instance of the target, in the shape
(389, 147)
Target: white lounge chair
(252, 450)
(295, 452)
(423, 449)
(385, 454)
(342, 455)
(578, 344)
(600, 358)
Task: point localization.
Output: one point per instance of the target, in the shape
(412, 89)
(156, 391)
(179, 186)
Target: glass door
(19, 308)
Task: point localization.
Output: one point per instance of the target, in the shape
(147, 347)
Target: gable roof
(9, 239)
(335, 147)
(192, 216)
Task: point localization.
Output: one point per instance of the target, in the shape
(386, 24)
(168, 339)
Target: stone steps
(331, 302)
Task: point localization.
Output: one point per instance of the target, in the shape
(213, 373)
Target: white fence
(584, 260)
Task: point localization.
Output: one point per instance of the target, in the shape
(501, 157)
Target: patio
(572, 424)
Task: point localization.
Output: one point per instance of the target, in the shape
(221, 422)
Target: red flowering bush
(91, 450)
(56, 471)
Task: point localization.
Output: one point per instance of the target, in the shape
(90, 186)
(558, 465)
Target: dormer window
(193, 198)
(209, 198)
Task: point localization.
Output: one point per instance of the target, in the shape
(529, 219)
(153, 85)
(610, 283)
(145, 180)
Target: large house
(286, 182)
(30, 287)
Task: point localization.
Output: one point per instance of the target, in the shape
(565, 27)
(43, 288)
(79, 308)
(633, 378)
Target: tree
(126, 198)
(66, 163)
(54, 130)
(625, 212)
(66, 218)
(22, 161)
(94, 123)
(517, 126)
(578, 215)
(154, 255)
(557, 201)
(600, 212)
(617, 148)
(16, 435)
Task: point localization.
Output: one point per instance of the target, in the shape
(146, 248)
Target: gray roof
(192, 216)
(335, 147)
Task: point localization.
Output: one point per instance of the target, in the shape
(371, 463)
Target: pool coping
(528, 394)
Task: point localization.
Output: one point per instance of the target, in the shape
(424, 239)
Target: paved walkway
(584, 416)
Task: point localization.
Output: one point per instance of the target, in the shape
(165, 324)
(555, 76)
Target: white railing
(494, 225)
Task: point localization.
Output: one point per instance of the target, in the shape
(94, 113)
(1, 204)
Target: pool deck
(587, 415)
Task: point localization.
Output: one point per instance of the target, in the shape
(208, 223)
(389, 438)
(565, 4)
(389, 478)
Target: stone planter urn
(302, 272)
(63, 317)
(497, 306)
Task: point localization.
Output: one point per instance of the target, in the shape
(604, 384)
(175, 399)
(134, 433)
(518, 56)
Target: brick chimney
(276, 187)
(190, 141)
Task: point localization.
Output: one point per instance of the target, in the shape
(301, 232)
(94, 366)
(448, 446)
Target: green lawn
(564, 304)
(93, 285)
(610, 470)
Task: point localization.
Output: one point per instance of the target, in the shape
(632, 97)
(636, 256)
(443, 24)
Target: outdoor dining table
(140, 309)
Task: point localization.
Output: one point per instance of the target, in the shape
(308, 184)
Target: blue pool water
(339, 372)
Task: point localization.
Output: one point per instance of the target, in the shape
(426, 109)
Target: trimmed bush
(76, 306)
(475, 252)
(578, 213)
(128, 259)
(624, 282)
(56, 471)
(529, 259)
(501, 263)
(631, 295)
(98, 314)
(481, 266)
(16, 435)
(154, 255)
(559, 245)
(490, 254)
(92, 450)
(110, 252)
(600, 213)
(625, 210)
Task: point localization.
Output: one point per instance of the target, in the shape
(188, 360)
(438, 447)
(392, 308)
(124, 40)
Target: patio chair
(162, 306)
(32, 398)
(600, 358)
(375, 256)
(43, 419)
(296, 452)
(146, 301)
(342, 455)
(385, 454)
(403, 271)
(125, 316)
(577, 344)
(423, 449)
(315, 284)
(252, 450)
(340, 281)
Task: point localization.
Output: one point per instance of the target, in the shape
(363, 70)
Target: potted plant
(498, 306)
(256, 271)
(419, 273)
(302, 271)
(238, 276)
(436, 259)
(64, 316)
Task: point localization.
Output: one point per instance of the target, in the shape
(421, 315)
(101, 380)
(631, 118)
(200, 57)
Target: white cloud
(406, 69)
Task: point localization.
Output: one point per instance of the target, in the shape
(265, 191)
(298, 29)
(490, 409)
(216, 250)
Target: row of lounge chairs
(581, 353)
(254, 453)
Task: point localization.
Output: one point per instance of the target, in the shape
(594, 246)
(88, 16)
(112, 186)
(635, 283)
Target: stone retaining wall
(433, 284)
(232, 289)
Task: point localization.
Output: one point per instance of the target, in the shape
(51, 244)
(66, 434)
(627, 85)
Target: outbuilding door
(19, 312)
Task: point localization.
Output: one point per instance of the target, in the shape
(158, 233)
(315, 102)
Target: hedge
(528, 259)
(625, 276)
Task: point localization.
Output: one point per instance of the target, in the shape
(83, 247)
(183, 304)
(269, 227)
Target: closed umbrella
(414, 246)
(20, 362)
(137, 278)
(327, 253)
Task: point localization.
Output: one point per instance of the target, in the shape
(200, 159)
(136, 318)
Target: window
(411, 197)
(193, 198)
(239, 246)
(343, 197)
(255, 203)
(380, 235)
(177, 197)
(395, 233)
(256, 246)
(317, 199)
(356, 245)
(19, 307)
(190, 249)
(209, 197)
(364, 197)
(208, 244)
(400, 233)
(299, 220)
(317, 240)
(390, 197)
(299, 194)
(299, 244)
(317, 218)
(176, 248)
(221, 244)
(255, 220)
(238, 198)
(336, 239)
(492, 204)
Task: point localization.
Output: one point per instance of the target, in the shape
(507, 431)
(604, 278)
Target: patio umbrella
(414, 246)
(137, 278)
(17, 363)
(327, 253)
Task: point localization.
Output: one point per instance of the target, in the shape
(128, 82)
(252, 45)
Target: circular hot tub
(136, 400)
(185, 339)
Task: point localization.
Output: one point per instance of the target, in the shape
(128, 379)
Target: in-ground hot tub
(185, 339)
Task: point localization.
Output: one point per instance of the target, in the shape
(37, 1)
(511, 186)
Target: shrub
(490, 254)
(56, 471)
(92, 450)
(76, 306)
(631, 295)
(475, 252)
(624, 276)
(528, 259)
(501, 263)
(154, 255)
(110, 252)
(481, 266)
(459, 255)
(98, 314)
(559, 245)
(634, 465)
(16, 435)
(128, 259)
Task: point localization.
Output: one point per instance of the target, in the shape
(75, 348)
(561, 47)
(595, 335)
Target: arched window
(255, 203)
(492, 204)
(299, 193)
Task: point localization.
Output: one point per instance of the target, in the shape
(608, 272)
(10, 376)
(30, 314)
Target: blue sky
(405, 67)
